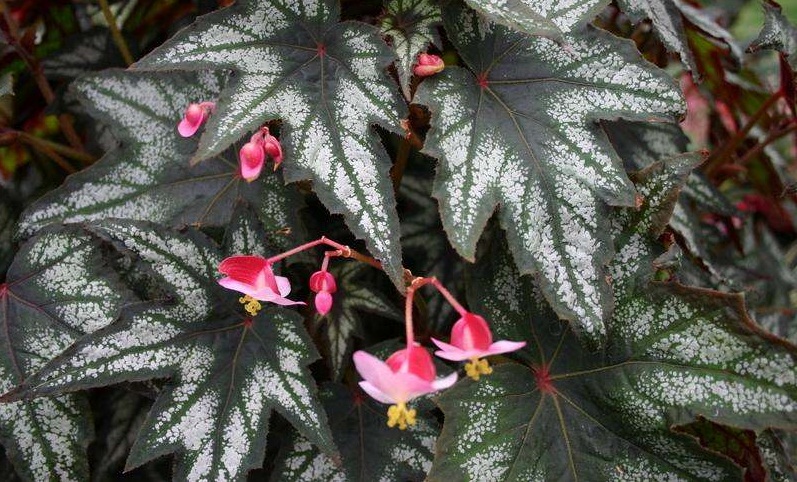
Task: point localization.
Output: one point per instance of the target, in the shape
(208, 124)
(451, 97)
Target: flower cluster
(406, 374)
(252, 155)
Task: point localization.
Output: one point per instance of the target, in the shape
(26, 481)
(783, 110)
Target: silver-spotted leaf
(227, 371)
(149, 177)
(326, 81)
(778, 454)
(57, 289)
(668, 18)
(411, 25)
(778, 34)
(88, 51)
(518, 128)
(551, 18)
(369, 449)
(675, 353)
(643, 144)
(357, 298)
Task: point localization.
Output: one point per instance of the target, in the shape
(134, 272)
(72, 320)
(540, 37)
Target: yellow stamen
(251, 305)
(399, 415)
(477, 367)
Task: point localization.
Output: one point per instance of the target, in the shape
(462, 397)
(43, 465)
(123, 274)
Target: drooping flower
(195, 115)
(471, 339)
(405, 375)
(253, 154)
(428, 64)
(272, 147)
(253, 276)
(323, 284)
(251, 158)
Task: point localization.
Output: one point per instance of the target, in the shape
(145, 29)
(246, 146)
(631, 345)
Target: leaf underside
(676, 353)
(517, 129)
(326, 81)
(227, 374)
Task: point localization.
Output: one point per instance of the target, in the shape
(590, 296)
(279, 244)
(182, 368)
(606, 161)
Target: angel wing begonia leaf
(568, 413)
(667, 17)
(517, 128)
(778, 34)
(411, 26)
(355, 299)
(227, 371)
(57, 289)
(370, 450)
(149, 177)
(551, 18)
(327, 82)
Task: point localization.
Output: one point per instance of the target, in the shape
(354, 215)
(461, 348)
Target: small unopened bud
(195, 115)
(428, 64)
(251, 158)
(273, 148)
(323, 283)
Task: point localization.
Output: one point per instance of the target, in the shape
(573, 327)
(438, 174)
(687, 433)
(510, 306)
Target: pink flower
(251, 158)
(273, 148)
(428, 64)
(253, 154)
(323, 283)
(195, 116)
(471, 339)
(407, 374)
(252, 276)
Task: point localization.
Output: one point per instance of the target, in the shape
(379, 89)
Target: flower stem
(346, 252)
(118, 39)
(727, 149)
(416, 284)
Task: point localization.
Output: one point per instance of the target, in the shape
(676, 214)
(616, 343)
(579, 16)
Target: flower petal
(504, 346)
(443, 383)
(450, 352)
(373, 370)
(375, 393)
(283, 285)
(235, 285)
(187, 128)
(245, 269)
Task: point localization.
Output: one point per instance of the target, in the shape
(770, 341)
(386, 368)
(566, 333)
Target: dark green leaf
(326, 81)
(369, 449)
(517, 128)
(227, 371)
(57, 289)
(675, 353)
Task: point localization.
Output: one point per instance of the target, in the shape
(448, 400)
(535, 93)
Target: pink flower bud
(323, 283)
(251, 158)
(323, 302)
(195, 116)
(273, 148)
(428, 64)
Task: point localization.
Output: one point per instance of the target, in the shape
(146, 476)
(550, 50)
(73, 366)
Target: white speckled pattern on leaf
(528, 142)
(675, 353)
(326, 81)
(226, 375)
(57, 290)
(148, 177)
